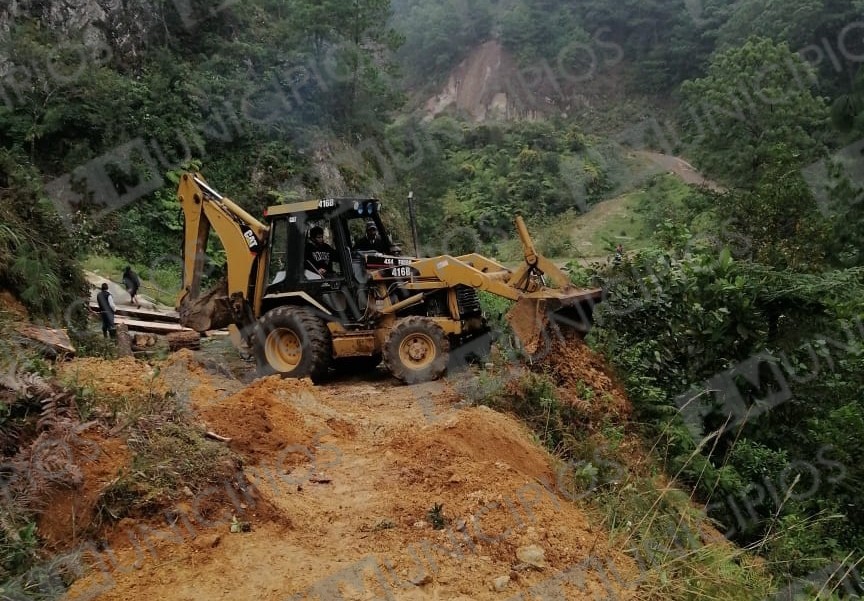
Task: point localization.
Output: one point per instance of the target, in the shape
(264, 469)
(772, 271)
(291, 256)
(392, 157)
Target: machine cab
(334, 268)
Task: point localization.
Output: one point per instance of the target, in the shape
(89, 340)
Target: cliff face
(485, 87)
(120, 28)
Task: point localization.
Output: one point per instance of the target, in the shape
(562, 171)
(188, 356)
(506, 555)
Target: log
(154, 327)
(124, 341)
(187, 339)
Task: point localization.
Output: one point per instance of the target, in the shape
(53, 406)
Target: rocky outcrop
(489, 85)
(121, 28)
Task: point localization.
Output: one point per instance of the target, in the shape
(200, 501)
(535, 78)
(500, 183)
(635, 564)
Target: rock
(532, 555)
(500, 583)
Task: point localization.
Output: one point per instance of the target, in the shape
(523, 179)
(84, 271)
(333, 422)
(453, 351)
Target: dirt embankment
(378, 490)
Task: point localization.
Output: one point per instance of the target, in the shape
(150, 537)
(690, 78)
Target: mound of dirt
(584, 378)
(497, 494)
(260, 420)
(193, 382)
(364, 498)
(477, 436)
(122, 377)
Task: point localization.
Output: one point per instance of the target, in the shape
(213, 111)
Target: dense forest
(737, 331)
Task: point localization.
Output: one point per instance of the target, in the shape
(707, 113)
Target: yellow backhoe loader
(417, 314)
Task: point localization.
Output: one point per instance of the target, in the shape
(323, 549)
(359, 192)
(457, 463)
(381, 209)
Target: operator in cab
(319, 255)
(374, 241)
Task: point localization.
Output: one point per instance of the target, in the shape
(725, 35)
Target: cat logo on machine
(251, 240)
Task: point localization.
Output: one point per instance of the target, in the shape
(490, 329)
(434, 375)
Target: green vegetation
(755, 292)
(753, 104)
(672, 543)
(471, 180)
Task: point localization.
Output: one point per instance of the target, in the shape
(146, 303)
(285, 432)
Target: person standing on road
(107, 310)
(132, 283)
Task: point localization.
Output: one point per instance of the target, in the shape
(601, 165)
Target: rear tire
(293, 342)
(417, 350)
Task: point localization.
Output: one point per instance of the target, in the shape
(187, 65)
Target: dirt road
(679, 167)
(372, 490)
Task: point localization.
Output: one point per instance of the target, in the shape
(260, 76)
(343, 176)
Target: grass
(628, 219)
(168, 456)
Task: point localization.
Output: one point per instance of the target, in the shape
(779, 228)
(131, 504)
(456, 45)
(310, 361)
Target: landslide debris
(355, 470)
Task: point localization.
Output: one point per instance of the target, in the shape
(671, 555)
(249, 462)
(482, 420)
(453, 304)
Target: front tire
(293, 342)
(417, 350)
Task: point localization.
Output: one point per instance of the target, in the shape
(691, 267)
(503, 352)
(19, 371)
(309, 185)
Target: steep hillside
(491, 85)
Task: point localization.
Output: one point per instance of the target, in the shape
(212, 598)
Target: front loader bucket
(211, 311)
(537, 313)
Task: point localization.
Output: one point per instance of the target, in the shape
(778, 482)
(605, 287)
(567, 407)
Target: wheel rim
(417, 351)
(283, 350)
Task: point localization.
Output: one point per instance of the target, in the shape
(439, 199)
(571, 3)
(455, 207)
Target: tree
(668, 41)
(814, 28)
(349, 55)
(778, 219)
(753, 100)
(439, 34)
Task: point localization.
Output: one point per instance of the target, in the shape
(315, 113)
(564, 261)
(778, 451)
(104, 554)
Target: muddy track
(355, 470)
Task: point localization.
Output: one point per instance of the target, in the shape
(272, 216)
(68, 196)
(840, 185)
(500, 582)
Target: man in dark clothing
(132, 283)
(373, 240)
(319, 254)
(106, 310)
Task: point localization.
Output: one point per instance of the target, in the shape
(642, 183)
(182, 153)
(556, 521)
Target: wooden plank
(154, 327)
(144, 314)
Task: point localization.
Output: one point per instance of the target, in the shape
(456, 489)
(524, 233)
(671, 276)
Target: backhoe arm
(535, 263)
(244, 239)
(530, 315)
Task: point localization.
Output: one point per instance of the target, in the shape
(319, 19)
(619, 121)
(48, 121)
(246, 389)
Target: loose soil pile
(126, 377)
(260, 420)
(584, 378)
